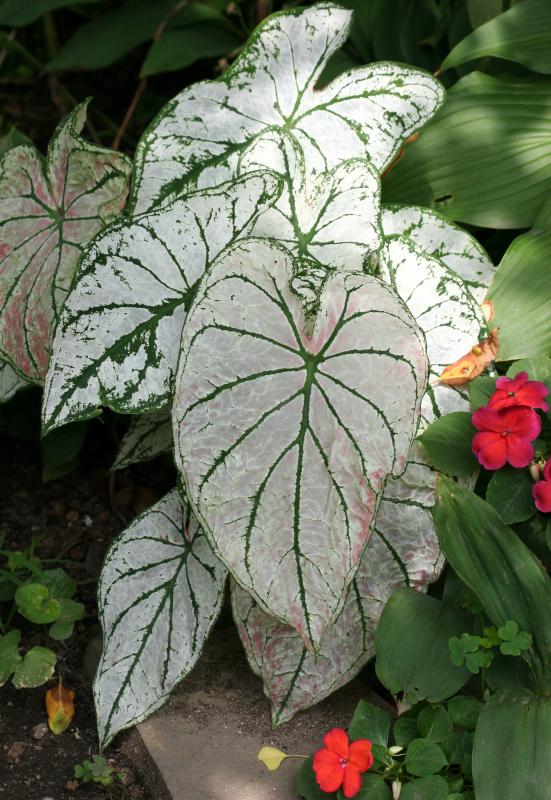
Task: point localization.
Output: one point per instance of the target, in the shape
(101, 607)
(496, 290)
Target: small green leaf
(432, 787)
(180, 47)
(370, 722)
(448, 443)
(70, 613)
(457, 746)
(36, 668)
(480, 391)
(59, 584)
(464, 711)
(35, 603)
(405, 730)
(514, 642)
(510, 493)
(434, 723)
(424, 757)
(9, 654)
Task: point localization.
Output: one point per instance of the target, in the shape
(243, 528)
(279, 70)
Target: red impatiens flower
(519, 391)
(341, 763)
(505, 436)
(541, 491)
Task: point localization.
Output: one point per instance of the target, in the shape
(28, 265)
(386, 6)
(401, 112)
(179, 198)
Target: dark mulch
(74, 519)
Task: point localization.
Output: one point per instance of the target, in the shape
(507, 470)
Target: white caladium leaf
(199, 136)
(10, 382)
(437, 293)
(333, 218)
(148, 436)
(49, 209)
(401, 552)
(269, 418)
(118, 339)
(160, 591)
(441, 239)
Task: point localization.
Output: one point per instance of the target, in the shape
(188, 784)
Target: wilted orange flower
(60, 707)
(473, 363)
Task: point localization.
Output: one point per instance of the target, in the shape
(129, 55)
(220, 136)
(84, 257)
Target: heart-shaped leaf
(403, 551)
(36, 668)
(332, 217)
(160, 591)
(9, 654)
(267, 417)
(48, 211)
(148, 436)
(35, 603)
(117, 341)
(200, 135)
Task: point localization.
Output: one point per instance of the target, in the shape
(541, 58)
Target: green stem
(50, 34)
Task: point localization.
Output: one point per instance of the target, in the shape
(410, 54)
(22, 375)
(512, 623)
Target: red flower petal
(520, 392)
(541, 492)
(352, 782)
(519, 451)
(328, 769)
(521, 421)
(490, 449)
(486, 419)
(547, 470)
(512, 384)
(361, 755)
(336, 740)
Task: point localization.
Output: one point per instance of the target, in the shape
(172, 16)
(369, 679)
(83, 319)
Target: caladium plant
(294, 329)
(49, 209)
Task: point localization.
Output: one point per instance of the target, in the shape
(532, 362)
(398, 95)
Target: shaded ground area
(72, 520)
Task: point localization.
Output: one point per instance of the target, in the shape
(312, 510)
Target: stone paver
(205, 741)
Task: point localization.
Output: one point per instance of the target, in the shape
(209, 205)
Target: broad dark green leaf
(538, 369)
(490, 558)
(448, 443)
(511, 747)
(113, 33)
(22, 12)
(485, 159)
(411, 644)
(182, 46)
(510, 493)
(458, 747)
(521, 34)
(370, 722)
(520, 292)
(432, 787)
(480, 11)
(424, 757)
(60, 449)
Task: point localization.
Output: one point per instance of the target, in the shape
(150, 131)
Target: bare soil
(73, 520)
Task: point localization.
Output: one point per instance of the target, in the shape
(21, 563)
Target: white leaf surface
(50, 209)
(403, 551)
(148, 436)
(160, 591)
(368, 112)
(269, 419)
(332, 218)
(118, 339)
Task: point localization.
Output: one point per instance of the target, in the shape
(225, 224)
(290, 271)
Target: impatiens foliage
(260, 301)
(48, 211)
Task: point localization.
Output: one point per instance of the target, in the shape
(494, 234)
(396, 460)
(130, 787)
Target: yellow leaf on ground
(271, 757)
(60, 708)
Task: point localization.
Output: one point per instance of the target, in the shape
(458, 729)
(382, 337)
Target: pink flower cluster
(508, 425)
